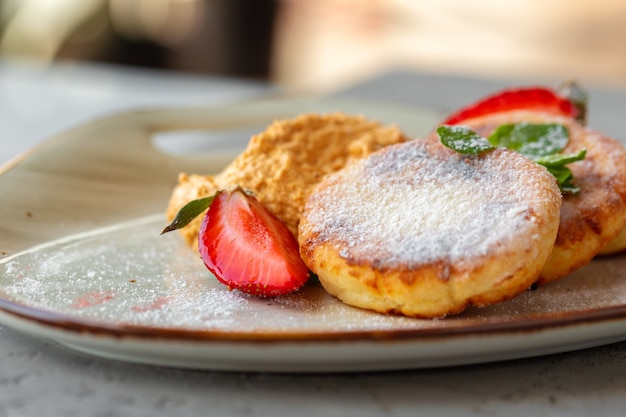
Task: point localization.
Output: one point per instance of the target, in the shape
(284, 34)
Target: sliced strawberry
(248, 248)
(534, 98)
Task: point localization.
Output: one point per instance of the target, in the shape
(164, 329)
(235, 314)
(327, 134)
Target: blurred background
(325, 44)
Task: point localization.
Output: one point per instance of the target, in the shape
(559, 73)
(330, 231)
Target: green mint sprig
(541, 143)
(188, 212)
(193, 209)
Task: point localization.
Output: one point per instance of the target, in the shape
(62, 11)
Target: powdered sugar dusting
(131, 276)
(410, 206)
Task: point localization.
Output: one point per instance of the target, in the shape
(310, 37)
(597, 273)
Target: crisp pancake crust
(616, 245)
(420, 230)
(593, 218)
(281, 164)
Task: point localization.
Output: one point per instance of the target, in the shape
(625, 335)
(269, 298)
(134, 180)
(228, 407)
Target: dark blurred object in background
(229, 37)
(315, 45)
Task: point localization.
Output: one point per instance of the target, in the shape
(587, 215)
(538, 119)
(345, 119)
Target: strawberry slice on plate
(247, 248)
(540, 99)
(244, 245)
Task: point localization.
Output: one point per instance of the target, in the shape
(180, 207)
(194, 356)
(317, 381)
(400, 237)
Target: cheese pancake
(595, 216)
(420, 230)
(616, 245)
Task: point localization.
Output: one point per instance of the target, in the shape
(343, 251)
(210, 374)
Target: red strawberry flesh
(535, 98)
(247, 248)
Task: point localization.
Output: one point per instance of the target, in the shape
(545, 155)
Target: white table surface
(39, 378)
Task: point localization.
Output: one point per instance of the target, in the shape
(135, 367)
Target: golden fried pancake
(591, 219)
(421, 230)
(616, 245)
(283, 163)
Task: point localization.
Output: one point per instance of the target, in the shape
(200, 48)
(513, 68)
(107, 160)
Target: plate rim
(324, 356)
(78, 325)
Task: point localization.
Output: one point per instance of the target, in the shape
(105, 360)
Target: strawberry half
(247, 248)
(535, 98)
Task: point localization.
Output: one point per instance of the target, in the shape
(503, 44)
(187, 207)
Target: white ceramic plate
(83, 264)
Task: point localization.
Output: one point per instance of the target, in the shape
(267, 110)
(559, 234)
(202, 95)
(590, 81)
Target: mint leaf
(564, 178)
(555, 164)
(568, 187)
(562, 173)
(561, 159)
(463, 139)
(531, 140)
(538, 142)
(189, 212)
